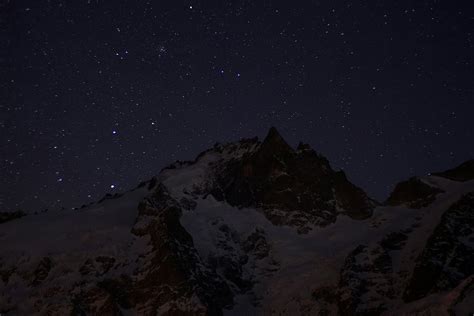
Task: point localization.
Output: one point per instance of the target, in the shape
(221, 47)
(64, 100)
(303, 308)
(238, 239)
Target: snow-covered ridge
(198, 173)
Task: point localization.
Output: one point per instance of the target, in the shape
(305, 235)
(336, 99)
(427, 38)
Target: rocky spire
(274, 143)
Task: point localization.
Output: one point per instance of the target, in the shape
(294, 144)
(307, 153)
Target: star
(166, 78)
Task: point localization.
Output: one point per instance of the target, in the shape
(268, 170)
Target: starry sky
(99, 95)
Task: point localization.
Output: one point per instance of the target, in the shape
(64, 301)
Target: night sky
(97, 95)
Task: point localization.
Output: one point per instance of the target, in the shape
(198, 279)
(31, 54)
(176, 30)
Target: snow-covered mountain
(249, 228)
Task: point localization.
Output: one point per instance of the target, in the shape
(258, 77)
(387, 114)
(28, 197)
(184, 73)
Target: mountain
(248, 228)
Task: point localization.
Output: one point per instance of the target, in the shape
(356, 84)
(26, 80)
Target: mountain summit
(295, 188)
(274, 142)
(249, 227)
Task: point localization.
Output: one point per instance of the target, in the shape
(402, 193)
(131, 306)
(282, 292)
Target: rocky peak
(414, 193)
(274, 146)
(296, 188)
(273, 137)
(417, 193)
(463, 172)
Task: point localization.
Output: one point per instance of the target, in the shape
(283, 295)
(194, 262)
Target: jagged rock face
(174, 272)
(295, 188)
(448, 257)
(463, 172)
(373, 281)
(366, 281)
(414, 193)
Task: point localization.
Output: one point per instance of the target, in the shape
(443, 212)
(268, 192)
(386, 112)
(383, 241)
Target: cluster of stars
(102, 95)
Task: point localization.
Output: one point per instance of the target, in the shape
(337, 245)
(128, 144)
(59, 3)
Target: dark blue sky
(100, 93)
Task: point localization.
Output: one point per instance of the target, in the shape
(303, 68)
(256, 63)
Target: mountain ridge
(247, 227)
(466, 166)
